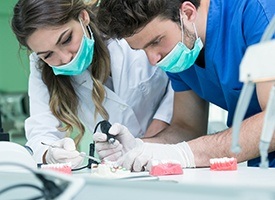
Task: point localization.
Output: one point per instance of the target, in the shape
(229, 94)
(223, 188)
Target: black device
(3, 136)
(104, 127)
(91, 153)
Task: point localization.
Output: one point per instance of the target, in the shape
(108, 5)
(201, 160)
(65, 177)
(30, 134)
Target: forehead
(158, 27)
(43, 38)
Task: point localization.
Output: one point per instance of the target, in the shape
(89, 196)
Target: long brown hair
(30, 15)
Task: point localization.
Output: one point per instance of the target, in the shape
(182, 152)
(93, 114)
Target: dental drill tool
(105, 126)
(257, 66)
(241, 109)
(82, 154)
(268, 129)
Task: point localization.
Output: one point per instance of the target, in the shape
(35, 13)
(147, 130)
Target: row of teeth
(221, 160)
(56, 165)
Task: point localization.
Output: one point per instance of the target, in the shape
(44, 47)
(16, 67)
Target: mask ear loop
(89, 29)
(181, 27)
(196, 33)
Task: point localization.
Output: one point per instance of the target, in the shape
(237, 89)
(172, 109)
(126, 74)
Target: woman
(77, 79)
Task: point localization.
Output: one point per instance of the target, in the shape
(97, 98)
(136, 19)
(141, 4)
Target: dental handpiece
(105, 126)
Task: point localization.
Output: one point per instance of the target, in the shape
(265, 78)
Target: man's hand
(124, 142)
(64, 151)
(140, 157)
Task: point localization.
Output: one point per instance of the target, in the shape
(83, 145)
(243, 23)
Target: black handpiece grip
(3, 136)
(91, 153)
(105, 126)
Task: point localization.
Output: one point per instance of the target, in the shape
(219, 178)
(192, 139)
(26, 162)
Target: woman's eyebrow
(60, 37)
(58, 41)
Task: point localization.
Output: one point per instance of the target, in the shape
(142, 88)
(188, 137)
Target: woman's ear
(188, 11)
(85, 18)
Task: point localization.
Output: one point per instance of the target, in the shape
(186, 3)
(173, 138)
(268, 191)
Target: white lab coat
(138, 94)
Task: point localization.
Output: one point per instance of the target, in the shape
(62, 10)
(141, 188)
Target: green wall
(14, 67)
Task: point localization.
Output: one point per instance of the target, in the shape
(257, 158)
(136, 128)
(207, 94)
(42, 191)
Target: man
(200, 44)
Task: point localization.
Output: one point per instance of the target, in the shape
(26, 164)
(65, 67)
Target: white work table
(244, 176)
(201, 183)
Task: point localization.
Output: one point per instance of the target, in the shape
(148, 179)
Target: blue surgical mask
(82, 59)
(180, 57)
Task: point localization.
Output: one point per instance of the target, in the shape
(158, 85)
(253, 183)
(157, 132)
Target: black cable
(90, 161)
(36, 198)
(96, 126)
(104, 126)
(80, 168)
(50, 189)
(7, 189)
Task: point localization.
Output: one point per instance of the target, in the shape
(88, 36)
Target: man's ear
(84, 16)
(188, 11)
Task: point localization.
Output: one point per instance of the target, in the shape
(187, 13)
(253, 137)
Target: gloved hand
(124, 142)
(142, 155)
(64, 151)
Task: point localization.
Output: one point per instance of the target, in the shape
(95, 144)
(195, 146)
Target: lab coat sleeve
(41, 126)
(165, 109)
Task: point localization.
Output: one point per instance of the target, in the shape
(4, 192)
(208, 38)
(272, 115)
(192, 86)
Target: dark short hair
(123, 18)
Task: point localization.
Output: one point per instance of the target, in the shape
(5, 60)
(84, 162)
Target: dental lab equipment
(105, 126)
(268, 128)
(257, 66)
(15, 153)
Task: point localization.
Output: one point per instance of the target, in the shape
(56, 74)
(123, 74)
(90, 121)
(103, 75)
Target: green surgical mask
(82, 59)
(180, 57)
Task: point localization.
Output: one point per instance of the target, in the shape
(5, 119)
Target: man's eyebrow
(151, 42)
(58, 41)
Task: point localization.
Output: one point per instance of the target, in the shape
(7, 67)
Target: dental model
(108, 169)
(58, 167)
(223, 164)
(165, 167)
